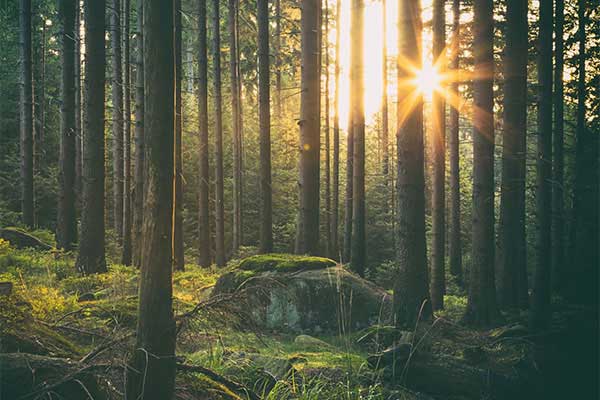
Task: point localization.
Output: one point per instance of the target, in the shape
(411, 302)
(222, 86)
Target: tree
(178, 216)
(358, 253)
(384, 98)
(237, 227)
(66, 232)
(117, 115)
(558, 148)
(411, 288)
(91, 258)
(151, 373)
(455, 246)
(512, 289)
(138, 191)
(203, 185)
(266, 226)
(438, 206)
(219, 206)
(336, 141)
(328, 244)
(78, 114)
(127, 217)
(278, 104)
(26, 112)
(481, 306)
(307, 229)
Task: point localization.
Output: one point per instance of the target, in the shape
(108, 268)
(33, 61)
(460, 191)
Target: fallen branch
(229, 384)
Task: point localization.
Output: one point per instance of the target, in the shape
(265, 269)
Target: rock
(306, 294)
(311, 342)
(21, 239)
(6, 288)
(86, 297)
(394, 355)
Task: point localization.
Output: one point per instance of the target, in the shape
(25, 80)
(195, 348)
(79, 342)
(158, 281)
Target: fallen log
(22, 240)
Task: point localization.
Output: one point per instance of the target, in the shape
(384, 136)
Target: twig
(231, 385)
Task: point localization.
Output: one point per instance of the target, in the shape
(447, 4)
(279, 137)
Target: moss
(284, 263)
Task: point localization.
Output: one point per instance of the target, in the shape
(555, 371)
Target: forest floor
(90, 320)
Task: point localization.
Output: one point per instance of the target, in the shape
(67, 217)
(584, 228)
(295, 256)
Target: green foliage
(284, 263)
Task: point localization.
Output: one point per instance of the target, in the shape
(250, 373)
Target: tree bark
(307, 230)
(558, 149)
(203, 185)
(117, 115)
(178, 241)
(511, 288)
(278, 101)
(266, 224)
(127, 218)
(335, 252)
(152, 372)
(78, 107)
(26, 113)
(411, 288)
(358, 253)
(481, 307)
(540, 310)
(438, 203)
(385, 146)
(138, 191)
(328, 243)
(455, 246)
(66, 232)
(236, 132)
(219, 207)
(91, 258)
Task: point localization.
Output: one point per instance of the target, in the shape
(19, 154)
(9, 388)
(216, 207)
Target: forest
(299, 199)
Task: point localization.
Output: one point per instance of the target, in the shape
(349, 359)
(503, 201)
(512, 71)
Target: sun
(428, 79)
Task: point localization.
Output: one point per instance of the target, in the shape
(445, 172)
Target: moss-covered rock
(305, 294)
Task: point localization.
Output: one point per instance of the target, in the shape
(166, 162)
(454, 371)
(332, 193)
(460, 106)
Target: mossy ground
(45, 315)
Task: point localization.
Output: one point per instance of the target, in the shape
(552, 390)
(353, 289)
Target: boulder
(305, 294)
(311, 342)
(21, 239)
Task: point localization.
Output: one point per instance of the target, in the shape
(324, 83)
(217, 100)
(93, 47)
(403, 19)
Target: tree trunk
(152, 368)
(266, 224)
(358, 253)
(219, 207)
(138, 191)
(438, 134)
(512, 202)
(203, 185)
(26, 112)
(411, 288)
(307, 230)
(278, 104)
(178, 255)
(335, 252)
(66, 232)
(349, 191)
(39, 110)
(328, 243)
(127, 218)
(91, 257)
(481, 307)
(117, 115)
(235, 107)
(385, 130)
(455, 250)
(558, 237)
(78, 107)
(540, 310)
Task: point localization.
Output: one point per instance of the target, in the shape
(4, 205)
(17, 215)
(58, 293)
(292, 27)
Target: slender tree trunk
(411, 288)
(138, 191)
(349, 191)
(278, 104)
(117, 115)
(66, 232)
(78, 114)
(540, 311)
(307, 230)
(152, 368)
(385, 146)
(455, 250)
(235, 106)
(204, 205)
(39, 109)
(219, 207)
(266, 225)
(558, 150)
(336, 141)
(512, 202)
(481, 307)
(178, 255)
(26, 113)
(127, 217)
(438, 203)
(91, 258)
(328, 243)
(358, 253)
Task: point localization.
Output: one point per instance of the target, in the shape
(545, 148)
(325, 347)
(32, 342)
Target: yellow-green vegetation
(284, 263)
